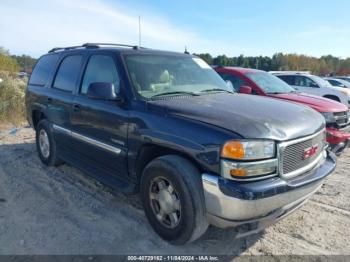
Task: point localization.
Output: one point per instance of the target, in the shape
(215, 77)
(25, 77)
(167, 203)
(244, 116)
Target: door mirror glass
(245, 90)
(101, 91)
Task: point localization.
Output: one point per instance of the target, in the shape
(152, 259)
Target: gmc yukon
(166, 126)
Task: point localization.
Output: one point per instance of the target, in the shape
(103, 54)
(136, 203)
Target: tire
(46, 145)
(174, 174)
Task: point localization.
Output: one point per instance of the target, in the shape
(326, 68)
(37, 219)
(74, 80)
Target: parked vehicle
(346, 78)
(340, 83)
(313, 85)
(166, 125)
(261, 83)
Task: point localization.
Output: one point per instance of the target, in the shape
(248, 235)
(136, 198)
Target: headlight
(329, 117)
(248, 149)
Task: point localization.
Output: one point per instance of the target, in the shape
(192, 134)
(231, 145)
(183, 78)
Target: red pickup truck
(257, 82)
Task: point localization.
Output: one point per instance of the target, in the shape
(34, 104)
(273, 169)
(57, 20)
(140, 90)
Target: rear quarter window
(42, 70)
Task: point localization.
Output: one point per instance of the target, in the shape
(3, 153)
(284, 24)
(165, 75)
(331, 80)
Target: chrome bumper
(261, 202)
(239, 211)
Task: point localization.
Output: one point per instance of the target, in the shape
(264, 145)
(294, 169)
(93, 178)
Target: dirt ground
(46, 210)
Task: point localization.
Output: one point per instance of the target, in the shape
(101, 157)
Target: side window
(100, 68)
(290, 80)
(68, 73)
(309, 82)
(335, 83)
(41, 73)
(235, 80)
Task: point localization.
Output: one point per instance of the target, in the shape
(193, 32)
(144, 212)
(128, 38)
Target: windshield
(270, 83)
(320, 81)
(158, 75)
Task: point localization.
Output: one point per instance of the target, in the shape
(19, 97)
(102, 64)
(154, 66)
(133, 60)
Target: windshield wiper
(215, 90)
(176, 93)
(277, 93)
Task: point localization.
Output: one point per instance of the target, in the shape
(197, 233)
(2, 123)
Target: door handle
(76, 107)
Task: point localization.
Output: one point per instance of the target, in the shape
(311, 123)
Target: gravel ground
(46, 210)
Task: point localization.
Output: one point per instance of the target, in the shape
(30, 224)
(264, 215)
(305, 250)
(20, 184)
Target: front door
(100, 126)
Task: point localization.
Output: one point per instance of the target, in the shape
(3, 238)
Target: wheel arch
(149, 152)
(332, 97)
(37, 115)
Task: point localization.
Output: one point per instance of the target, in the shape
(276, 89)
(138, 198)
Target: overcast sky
(254, 27)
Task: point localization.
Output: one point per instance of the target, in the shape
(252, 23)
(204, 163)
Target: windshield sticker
(201, 63)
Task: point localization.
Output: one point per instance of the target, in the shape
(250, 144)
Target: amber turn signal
(233, 149)
(238, 172)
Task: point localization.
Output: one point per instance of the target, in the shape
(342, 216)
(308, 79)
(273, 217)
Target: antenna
(186, 52)
(139, 30)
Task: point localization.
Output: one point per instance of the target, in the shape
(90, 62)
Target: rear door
(59, 102)
(101, 125)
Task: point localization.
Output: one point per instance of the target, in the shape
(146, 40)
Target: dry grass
(12, 90)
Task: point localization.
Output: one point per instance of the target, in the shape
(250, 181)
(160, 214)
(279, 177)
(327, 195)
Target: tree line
(14, 63)
(325, 65)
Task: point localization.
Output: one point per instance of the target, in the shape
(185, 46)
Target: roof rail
(63, 48)
(93, 45)
(97, 45)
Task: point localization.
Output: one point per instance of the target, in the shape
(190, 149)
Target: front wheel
(173, 199)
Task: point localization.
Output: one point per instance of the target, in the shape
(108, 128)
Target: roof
(120, 48)
(241, 70)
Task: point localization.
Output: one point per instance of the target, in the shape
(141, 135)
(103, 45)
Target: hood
(318, 103)
(247, 115)
(344, 90)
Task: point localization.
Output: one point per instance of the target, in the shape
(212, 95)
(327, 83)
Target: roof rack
(93, 45)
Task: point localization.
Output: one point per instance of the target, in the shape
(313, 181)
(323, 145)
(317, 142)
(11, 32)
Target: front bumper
(338, 139)
(260, 203)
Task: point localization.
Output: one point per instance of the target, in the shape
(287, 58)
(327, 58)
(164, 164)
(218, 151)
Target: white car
(346, 78)
(314, 85)
(337, 82)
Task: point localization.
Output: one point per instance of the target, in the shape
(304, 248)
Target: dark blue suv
(165, 125)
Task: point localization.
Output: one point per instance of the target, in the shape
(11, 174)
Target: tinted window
(235, 81)
(42, 70)
(290, 80)
(101, 68)
(68, 72)
(334, 83)
(305, 81)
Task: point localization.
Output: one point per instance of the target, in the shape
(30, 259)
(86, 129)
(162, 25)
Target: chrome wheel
(44, 143)
(165, 202)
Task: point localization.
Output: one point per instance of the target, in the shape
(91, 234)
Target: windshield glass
(270, 83)
(320, 81)
(157, 75)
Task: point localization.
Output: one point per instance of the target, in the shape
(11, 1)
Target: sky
(230, 27)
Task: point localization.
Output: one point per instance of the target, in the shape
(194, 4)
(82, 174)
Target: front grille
(293, 155)
(341, 118)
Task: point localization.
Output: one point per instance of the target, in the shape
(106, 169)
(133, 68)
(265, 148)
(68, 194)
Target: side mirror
(245, 90)
(101, 91)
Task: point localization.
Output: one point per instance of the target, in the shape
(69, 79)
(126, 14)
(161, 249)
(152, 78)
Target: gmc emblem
(309, 152)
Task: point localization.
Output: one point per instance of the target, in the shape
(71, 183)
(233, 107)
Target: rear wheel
(46, 145)
(173, 199)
